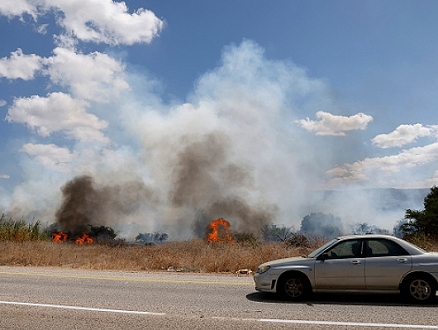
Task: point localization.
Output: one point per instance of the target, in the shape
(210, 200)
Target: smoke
(79, 207)
(231, 150)
(202, 177)
(205, 178)
(85, 205)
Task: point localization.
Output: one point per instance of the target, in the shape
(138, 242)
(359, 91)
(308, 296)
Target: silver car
(359, 263)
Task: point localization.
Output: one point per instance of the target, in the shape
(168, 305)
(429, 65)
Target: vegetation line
(28, 244)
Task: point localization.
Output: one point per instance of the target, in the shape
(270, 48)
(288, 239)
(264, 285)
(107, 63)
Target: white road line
(130, 279)
(351, 324)
(356, 324)
(81, 308)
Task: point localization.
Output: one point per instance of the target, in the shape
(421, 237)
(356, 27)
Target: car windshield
(322, 248)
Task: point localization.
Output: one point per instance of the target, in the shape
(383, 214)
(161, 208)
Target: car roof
(366, 236)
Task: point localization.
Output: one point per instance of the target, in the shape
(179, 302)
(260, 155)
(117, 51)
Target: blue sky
(202, 103)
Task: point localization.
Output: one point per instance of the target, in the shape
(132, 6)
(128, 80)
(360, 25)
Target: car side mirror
(323, 256)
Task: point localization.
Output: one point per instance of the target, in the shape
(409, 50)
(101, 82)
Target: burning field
(63, 237)
(218, 231)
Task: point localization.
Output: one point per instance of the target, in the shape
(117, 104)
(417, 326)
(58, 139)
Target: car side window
(347, 249)
(384, 248)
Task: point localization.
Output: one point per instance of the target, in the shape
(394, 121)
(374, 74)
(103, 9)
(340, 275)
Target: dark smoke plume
(79, 206)
(250, 219)
(206, 178)
(203, 175)
(85, 205)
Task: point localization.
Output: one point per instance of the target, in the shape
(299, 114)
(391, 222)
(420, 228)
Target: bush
(151, 238)
(297, 240)
(246, 239)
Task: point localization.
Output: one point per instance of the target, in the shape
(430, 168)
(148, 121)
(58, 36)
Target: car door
(385, 264)
(342, 267)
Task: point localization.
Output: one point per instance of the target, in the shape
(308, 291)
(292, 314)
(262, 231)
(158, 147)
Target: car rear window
(384, 248)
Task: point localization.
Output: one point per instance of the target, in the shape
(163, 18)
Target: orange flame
(219, 231)
(84, 239)
(59, 237)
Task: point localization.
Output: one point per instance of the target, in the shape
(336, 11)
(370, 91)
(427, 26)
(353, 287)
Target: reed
(20, 231)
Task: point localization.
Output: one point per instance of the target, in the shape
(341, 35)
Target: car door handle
(355, 262)
(402, 260)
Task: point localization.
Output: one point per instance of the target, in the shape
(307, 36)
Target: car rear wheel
(420, 289)
(293, 287)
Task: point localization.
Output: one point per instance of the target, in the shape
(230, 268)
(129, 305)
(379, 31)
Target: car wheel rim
(294, 288)
(420, 289)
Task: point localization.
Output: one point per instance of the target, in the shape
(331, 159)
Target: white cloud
(430, 182)
(329, 124)
(58, 112)
(106, 21)
(4, 176)
(13, 8)
(42, 29)
(99, 21)
(95, 76)
(50, 155)
(404, 134)
(374, 169)
(21, 66)
(3, 103)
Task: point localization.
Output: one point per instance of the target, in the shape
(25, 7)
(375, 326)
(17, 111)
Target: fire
(59, 237)
(219, 231)
(62, 237)
(84, 239)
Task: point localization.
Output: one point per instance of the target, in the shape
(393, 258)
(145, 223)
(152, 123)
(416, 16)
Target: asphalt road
(56, 298)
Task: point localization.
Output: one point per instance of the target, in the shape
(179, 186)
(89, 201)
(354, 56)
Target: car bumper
(265, 282)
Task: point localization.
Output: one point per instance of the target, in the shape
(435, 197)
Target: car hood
(288, 261)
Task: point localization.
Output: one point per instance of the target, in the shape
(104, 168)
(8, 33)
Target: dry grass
(187, 256)
(24, 244)
(190, 256)
(426, 243)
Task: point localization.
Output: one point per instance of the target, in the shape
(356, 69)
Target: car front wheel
(420, 289)
(293, 287)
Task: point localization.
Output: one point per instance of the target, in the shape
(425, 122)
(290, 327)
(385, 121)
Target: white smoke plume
(232, 150)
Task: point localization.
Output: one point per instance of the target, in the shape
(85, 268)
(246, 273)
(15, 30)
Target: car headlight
(263, 269)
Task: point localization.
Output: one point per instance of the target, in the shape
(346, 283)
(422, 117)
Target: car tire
(419, 289)
(293, 287)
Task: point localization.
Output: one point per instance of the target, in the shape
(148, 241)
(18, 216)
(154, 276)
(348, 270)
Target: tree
(425, 221)
(274, 233)
(365, 228)
(400, 229)
(321, 225)
(103, 233)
